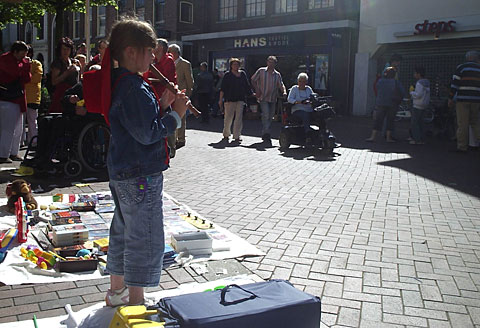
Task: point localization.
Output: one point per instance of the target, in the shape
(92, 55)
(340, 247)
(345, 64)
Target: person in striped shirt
(465, 89)
(267, 81)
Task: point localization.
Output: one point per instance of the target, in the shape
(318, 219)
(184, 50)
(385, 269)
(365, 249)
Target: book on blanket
(69, 234)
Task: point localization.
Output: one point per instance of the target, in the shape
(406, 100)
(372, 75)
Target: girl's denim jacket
(138, 145)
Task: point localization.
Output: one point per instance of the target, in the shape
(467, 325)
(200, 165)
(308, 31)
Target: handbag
(12, 90)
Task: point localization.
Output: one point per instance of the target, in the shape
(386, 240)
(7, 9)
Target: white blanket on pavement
(16, 270)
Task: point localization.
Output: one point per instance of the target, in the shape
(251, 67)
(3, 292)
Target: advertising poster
(321, 72)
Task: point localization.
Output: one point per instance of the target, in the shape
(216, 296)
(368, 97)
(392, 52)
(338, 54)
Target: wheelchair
(83, 146)
(293, 133)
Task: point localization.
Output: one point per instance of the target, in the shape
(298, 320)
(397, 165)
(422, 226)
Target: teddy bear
(20, 188)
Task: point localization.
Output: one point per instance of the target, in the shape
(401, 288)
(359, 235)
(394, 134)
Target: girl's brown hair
(129, 32)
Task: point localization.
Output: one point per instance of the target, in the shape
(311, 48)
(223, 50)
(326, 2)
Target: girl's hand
(73, 99)
(181, 103)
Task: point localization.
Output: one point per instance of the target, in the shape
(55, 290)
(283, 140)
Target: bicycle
(405, 112)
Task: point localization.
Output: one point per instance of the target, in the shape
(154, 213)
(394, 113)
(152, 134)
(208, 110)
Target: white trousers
(11, 127)
(30, 117)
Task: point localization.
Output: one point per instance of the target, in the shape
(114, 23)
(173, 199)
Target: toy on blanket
(20, 189)
(42, 259)
(197, 222)
(6, 238)
(22, 220)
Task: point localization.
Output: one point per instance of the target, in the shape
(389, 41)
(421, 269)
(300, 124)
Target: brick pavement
(386, 234)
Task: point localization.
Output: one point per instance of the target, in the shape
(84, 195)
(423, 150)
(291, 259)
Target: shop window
(317, 4)
(228, 10)
(186, 12)
(101, 21)
(254, 8)
(222, 64)
(28, 33)
(159, 11)
(286, 6)
(321, 73)
(140, 9)
(76, 25)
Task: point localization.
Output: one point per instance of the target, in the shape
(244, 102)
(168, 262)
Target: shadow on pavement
(432, 161)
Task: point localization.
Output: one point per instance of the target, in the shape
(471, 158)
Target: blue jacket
(138, 145)
(386, 89)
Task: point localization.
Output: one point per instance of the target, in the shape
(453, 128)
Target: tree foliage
(33, 10)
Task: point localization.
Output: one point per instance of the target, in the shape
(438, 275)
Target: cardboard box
(194, 243)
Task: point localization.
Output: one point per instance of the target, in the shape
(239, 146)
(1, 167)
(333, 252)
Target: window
(186, 12)
(315, 4)
(76, 25)
(255, 8)
(101, 20)
(28, 33)
(159, 11)
(228, 10)
(285, 6)
(90, 13)
(40, 29)
(140, 9)
(121, 6)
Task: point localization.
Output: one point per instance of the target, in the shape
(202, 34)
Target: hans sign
(261, 41)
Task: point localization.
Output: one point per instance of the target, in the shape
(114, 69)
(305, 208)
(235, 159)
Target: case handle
(225, 290)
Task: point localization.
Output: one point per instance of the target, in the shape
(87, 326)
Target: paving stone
(34, 298)
(348, 317)
(371, 311)
(474, 313)
(429, 314)
(431, 293)
(405, 320)
(392, 304)
(16, 292)
(412, 298)
(20, 309)
(58, 303)
(77, 291)
(460, 320)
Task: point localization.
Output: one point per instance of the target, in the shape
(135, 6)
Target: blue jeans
(137, 239)
(417, 124)
(268, 110)
(306, 118)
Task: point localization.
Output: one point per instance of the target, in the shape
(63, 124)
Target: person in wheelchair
(64, 128)
(302, 110)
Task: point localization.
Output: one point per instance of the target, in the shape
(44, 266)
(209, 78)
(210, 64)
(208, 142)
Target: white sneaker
(117, 297)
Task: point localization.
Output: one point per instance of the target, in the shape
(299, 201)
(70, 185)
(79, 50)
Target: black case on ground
(274, 303)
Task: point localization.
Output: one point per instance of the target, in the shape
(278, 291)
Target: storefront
(324, 54)
(426, 37)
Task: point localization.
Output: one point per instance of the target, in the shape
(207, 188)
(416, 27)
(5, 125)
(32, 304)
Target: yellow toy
(134, 317)
(42, 259)
(197, 222)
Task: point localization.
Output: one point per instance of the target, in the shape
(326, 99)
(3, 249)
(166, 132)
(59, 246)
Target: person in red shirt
(14, 74)
(165, 63)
